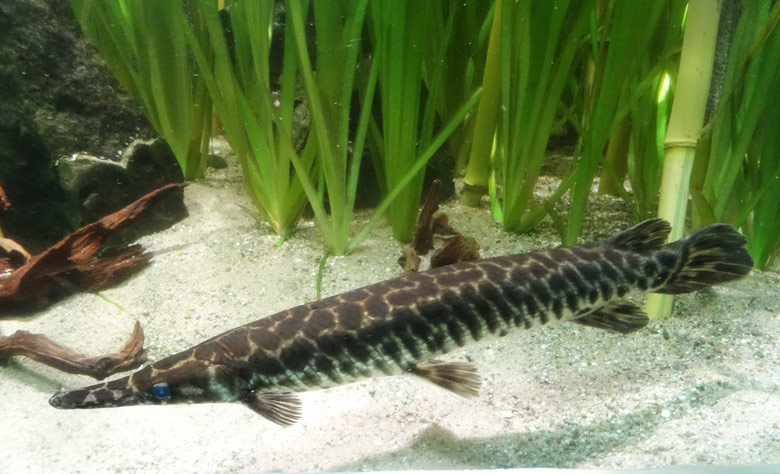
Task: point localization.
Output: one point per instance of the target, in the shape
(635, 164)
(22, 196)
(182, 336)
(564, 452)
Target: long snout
(110, 394)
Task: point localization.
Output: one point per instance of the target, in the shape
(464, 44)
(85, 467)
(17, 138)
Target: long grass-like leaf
(418, 165)
(734, 132)
(631, 30)
(329, 92)
(398, 33)
(240, 83)
(742, 180)
(145, 48)
(539, 45)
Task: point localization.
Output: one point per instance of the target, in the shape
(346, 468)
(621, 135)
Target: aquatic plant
(685, 122)
(636, 146)
(280, 175)
(256, 110)
(465, 27)
(540, 64)
(329, 92)
(145, 48)
(398, 29)
(736, 177)
(539, 44)
(631, 28)
(542, 46)
(409, 87)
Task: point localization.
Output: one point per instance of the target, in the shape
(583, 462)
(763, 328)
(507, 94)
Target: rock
(95, 187)
(217, 162)
(58, 99)
(83, 179)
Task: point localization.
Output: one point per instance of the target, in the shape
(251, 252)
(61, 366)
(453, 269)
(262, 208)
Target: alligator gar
(398, 326)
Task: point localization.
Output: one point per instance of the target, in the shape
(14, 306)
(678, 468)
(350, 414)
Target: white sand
(699, 388)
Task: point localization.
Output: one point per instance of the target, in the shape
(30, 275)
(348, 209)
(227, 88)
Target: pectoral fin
(459, 377)
(282, 408)
(618, 316)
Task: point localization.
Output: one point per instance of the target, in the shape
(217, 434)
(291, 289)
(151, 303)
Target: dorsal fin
(648, 235)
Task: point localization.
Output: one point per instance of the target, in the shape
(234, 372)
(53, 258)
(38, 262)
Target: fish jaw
(115, 393)
(162, 383)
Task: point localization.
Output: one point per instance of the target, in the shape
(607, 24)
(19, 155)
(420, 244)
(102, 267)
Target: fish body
(398, 326)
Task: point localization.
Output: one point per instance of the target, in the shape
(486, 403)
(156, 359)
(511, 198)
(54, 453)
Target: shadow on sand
(565, 446)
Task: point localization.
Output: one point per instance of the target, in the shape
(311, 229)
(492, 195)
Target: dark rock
(83, 179)
(216, 162)
(95, 187)
(58, 98)
(150, 164)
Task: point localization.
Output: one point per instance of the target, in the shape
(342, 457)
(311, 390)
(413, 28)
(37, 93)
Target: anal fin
(458, 377)
(618, 316)
(282, 408)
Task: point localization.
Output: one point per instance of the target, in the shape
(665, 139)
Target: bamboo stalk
(478, 170)
(685, 123)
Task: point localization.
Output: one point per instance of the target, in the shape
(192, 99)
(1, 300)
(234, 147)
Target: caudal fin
(715, 254)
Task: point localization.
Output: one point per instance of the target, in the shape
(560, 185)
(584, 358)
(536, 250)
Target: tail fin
(712, 255)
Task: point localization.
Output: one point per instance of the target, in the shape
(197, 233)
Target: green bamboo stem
(478, 170)
(685, 123)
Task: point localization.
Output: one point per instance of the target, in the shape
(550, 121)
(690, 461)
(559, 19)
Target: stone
(58, 99)
(95, 187)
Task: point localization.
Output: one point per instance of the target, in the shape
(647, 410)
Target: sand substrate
(699, 388)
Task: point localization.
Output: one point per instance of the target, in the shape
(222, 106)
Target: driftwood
(42, 349)
(74, 264)
(423, 227)
(429, 224)
(409, 260)
(456, 249)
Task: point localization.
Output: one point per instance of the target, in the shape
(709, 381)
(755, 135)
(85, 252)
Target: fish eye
(161, 391)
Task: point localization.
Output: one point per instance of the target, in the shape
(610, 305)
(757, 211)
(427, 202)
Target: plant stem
(685, 123)
(617, 157)
(478, 170)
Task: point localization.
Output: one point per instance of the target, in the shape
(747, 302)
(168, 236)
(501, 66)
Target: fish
(401, 325)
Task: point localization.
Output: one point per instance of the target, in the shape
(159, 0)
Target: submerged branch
(42, 349)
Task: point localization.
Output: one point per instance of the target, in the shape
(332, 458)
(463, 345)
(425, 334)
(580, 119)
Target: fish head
(118, 392)
(176, 379)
